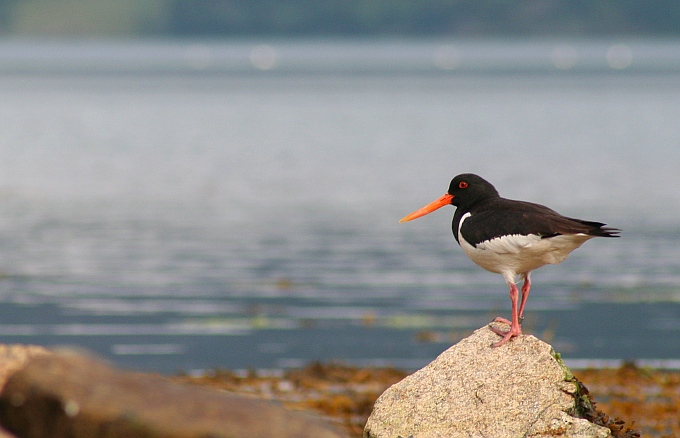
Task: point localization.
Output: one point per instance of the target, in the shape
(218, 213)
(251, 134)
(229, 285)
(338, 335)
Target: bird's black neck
(461, 210)
(455, 224)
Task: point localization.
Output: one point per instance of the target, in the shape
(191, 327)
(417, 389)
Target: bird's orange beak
(429, 208)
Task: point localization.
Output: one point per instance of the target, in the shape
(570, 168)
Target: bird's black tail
(600, 230)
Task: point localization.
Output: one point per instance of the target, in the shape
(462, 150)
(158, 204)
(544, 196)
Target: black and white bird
(511, 238)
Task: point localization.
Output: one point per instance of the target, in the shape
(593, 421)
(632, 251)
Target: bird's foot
(503, 320)
(515, 330)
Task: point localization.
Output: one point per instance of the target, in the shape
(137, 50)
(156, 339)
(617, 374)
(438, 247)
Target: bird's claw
(515, 330)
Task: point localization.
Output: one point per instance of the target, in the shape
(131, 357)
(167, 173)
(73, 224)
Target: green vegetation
(216, 18)
(84, 17)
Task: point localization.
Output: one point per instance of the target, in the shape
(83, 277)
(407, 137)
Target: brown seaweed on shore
(342, 393)
(595, 416)
(649, 398)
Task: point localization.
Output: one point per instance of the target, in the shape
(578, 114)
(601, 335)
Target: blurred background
(218, 184)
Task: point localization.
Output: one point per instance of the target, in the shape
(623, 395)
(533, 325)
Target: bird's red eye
(463, 185)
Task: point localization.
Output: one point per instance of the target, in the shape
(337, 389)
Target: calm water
(190, 206)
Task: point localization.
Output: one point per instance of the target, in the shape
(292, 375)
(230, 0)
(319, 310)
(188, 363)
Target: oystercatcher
(511, 238)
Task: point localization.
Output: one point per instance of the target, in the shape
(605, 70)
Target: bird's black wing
(509, 217)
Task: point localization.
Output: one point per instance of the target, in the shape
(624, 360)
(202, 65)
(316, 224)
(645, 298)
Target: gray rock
(520, 389)
(72, 395)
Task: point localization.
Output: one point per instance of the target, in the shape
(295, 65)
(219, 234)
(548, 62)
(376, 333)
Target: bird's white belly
(518, 254)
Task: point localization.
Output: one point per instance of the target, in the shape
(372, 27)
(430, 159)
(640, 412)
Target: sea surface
(189, 205)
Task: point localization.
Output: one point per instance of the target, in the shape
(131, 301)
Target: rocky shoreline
(343, 396)
(647, 399)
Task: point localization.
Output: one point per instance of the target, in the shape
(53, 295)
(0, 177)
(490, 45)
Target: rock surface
(67, 394)
(473, 390)
(12, 359)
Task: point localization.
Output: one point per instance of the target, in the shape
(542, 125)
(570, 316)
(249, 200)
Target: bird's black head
(468, 189)
(465, 191)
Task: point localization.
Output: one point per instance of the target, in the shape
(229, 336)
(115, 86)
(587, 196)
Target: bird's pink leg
(515, 328)
(526, 287)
